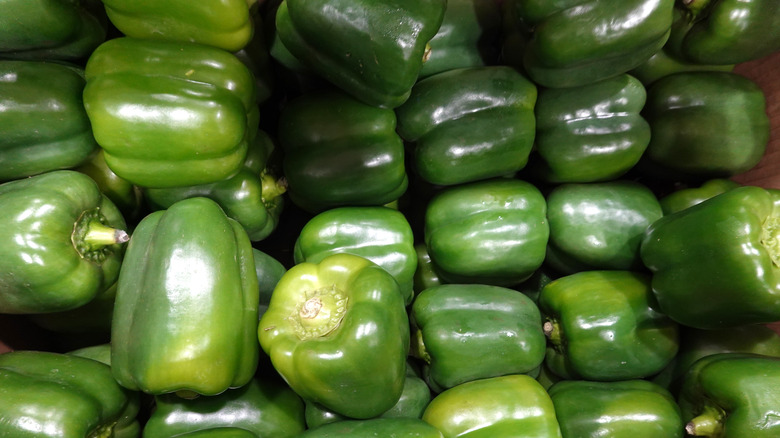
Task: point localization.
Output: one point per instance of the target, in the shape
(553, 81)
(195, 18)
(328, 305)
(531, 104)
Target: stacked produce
(409, 218)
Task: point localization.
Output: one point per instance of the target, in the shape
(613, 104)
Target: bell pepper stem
(319, 312)
(695, 7)
(101, 235)
(552, 331)
(92, 238)
(272, 187)
(704, 425)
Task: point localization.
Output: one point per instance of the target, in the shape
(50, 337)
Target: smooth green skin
(91, 319)
(219, 432)
(577, 42)
(378, 427)
(456, 323)
(469, 124)
(706, 124)
(589, 133)
(380, 234)
(186, 303)
(662, 64)
(170, 114)
(606, 326)
(688, 197)
(625, 409)
(726, 31)
(264, 406)
(497, 407)
(46, 266)
(599, 225)
(44, 394)
(42, 127)
(338, 333)
(717, 264)
(269, 271)
(732, 395)
(51, 29)
(386, 43)
(226, 24)
(468, 37)
(491, 232)
(425, 276)
(339, 151)
(252, 197)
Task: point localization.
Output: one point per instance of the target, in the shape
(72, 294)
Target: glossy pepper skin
(690, 196)
(62, 243)
(492, 232)
(726, 31)
(186, 304)
(42, 128)
(494, 407)
(456, 323)
(170, 114)
(469, 124)
(386, 43)
(732, 395)
(338, 333)
(66, 30)
(264, 407)
(576, 42)
(629, 408)
(589, 133)
(127, 197)
(226, 24)
(380, 234)
(606, 326)
(706, 124)
(599, 225)
(711, 283)
(339, 151)
(46, 394)
(389, 427)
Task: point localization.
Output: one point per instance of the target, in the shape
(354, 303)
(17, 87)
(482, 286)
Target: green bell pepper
(577, 42)
(492, 232)
(127, 197)
(688, 197)
(89, 321)
(219, 432)
(51, 29)
(494, 407)
(726, 31)
(606, 326)
(425, 276)
(455, 323)
(61, 243)
(265, 406)
(44, 394)
(269, 271)
(732, 395)
(170, 114)
(469, 124)
(599, 225)
(186, 303)
(380, 234)
(589, 133)
(705, 125)
(42, 127)
(629, 408)
(377, 427)
(339, 151)
(717, 264)
(373, 51)
(338, 333)
(226, 24)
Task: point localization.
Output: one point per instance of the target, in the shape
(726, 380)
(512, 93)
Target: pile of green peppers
(405, 218)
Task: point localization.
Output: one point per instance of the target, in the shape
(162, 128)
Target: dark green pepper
(688, 197)
(377, 427)
(425, 276)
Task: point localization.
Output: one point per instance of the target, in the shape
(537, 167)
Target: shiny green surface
(492, 232)
(186, 304)
(589, 133)
(46, 264)
(380, 234)
(339, 151)
(576, 42)
(384, 427)
(625, 409)
(455, 324)
(469, 124)
(373, 51)
(599, 225)
(338, 333)
(690, 196)
(42, 128)
(606, 326)
(728, 281)
(127, 197)
(497, 407)
(425, 275)
(264, 407)
(170, 114)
